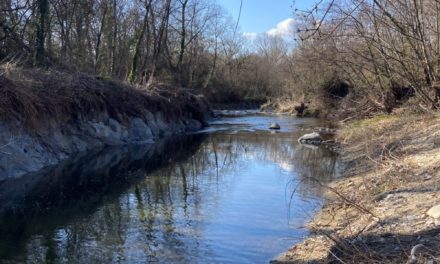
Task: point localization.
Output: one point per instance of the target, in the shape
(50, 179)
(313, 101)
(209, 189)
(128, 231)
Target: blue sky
(259, 16)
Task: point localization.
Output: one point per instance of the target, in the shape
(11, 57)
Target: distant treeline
(381, 53)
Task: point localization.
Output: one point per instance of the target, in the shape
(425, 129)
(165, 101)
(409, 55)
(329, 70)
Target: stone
(434, 212)
(139, 131)
(312, 138)
(22, 153)
(274, 126)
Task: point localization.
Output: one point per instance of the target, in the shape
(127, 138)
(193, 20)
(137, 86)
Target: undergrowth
(31, 96)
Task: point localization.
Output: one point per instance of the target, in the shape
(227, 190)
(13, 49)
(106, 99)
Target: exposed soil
(376, 213)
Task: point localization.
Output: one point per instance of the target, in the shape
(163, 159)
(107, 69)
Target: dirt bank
(46, 117)
(377, 212)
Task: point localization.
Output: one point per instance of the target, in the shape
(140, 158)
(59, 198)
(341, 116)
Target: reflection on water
(228, 195)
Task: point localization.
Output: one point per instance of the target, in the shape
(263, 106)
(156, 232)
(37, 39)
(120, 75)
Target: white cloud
(284, 28)
(250, 35)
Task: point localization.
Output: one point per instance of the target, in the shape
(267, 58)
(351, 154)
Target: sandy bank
(377, 212)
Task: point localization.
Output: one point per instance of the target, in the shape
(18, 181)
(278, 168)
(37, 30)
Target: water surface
(233, 193)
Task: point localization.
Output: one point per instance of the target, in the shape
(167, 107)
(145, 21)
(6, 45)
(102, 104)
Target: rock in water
(434, 212)
(312, 138)
(274, 126)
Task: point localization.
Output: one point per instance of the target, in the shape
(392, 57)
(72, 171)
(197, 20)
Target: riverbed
(234, 192)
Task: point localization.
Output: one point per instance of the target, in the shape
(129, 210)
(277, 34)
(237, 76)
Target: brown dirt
(376, 213)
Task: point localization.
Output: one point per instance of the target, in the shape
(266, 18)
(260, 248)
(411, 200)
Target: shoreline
(376, 211)
(52, 116)
(28, 153)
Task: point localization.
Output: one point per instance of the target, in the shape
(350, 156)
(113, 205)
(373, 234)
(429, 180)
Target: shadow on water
(223, 196)
(41, 201)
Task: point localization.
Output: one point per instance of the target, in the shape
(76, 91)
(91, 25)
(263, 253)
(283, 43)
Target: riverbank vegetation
(33, 97)
(361, 57)
(385, 53)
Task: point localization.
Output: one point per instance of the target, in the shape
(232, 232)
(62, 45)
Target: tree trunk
(160, 39)
(182, 39)
(115, 34)
(43, 9)
(98, 40)
(133, 73)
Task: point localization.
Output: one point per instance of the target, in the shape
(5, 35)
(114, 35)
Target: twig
(336, 257)
(359, 207)
(414, 250)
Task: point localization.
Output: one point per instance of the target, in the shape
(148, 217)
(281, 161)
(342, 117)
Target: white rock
(274, 126)
(434, 212)
(312, 138)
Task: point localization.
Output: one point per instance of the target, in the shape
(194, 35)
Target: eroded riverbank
(48, 117)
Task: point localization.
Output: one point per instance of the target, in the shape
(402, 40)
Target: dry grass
(32, 96)
(377, 212)
(280, 105)
(287, 106)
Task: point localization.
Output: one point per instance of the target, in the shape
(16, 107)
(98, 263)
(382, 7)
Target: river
(232, 193)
